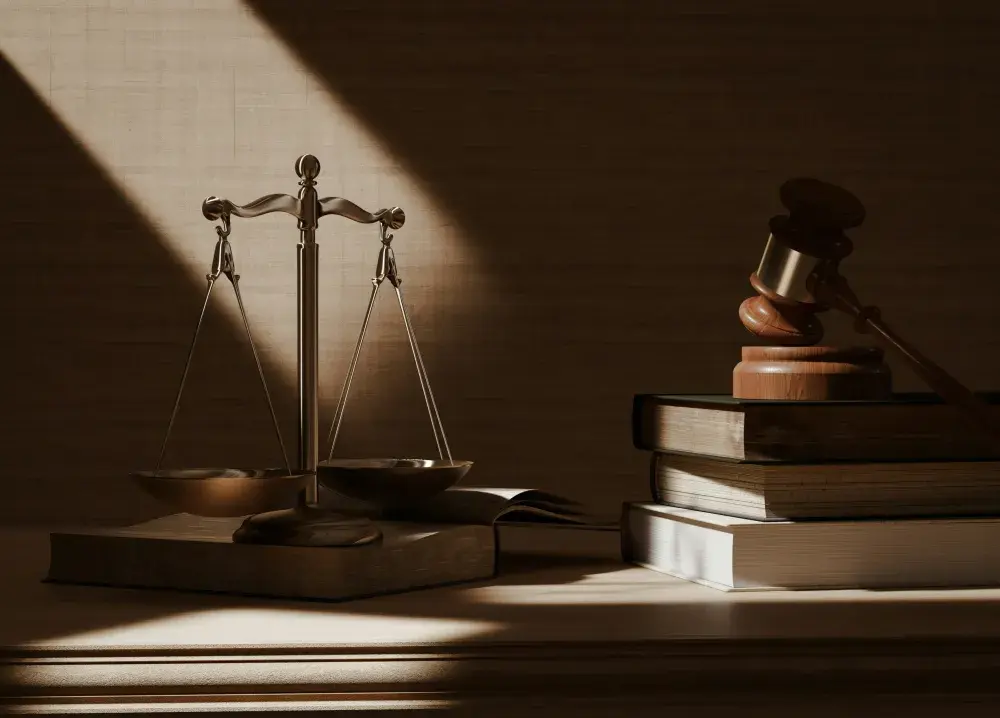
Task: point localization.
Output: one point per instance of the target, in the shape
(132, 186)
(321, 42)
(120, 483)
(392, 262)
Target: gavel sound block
(812, 373)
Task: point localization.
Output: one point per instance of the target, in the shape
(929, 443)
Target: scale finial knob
(397, 218)
(307, 167)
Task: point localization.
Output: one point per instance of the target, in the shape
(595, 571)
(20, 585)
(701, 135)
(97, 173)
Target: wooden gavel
(799, 276)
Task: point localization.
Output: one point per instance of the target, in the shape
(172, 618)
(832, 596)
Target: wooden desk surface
(551, 628)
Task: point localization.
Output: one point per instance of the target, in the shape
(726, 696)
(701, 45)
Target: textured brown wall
(588, 186)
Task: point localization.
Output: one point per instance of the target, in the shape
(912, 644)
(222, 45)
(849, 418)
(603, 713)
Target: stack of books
(751, 494)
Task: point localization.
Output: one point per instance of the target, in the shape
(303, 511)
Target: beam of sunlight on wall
(180, 100)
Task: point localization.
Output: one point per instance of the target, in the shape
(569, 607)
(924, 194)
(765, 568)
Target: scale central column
(308, 311)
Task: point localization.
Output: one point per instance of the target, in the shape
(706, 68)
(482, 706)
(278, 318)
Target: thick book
(191, 553)
(914, 426)
(768, 491)
(731, 553)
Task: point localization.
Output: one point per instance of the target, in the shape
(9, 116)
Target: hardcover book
(192, 553)
(915, 426)
(767, 491)
(731, 553)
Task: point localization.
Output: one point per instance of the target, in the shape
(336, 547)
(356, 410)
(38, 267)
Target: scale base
(192, 553)
(307, 526)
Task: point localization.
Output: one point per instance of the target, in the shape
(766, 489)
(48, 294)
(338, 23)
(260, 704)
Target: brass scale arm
(216, 208)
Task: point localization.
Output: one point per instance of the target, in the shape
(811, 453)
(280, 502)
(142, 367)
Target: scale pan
(222, 492)
(391, 483)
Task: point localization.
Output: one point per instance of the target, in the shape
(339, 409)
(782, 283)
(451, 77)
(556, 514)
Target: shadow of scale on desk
(282, 504)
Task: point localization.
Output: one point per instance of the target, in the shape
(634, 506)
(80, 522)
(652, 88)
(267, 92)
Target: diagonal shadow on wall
(99, 319)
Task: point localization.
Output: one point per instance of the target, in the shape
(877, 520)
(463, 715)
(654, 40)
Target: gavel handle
(945, 385)
(832, 289)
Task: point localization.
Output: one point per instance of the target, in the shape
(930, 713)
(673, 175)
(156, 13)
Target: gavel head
(809, 238)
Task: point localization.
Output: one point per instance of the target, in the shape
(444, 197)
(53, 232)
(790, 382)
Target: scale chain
(338, 417)
(260, 372)
(187, 366)
(386, 269)
(424, 380)
(223, 263)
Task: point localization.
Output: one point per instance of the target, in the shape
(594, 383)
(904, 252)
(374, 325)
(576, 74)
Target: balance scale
(263, 531)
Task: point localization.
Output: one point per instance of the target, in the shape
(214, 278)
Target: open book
(483, 505)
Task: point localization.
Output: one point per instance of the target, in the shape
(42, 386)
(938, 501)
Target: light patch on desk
(644, 587)
(176, 102)
(275, 628)
(624, 586)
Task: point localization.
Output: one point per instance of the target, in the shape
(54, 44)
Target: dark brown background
(617, 163)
